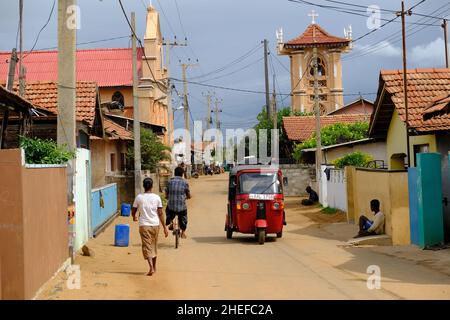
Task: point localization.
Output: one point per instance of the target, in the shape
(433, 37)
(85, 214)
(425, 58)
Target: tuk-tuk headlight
(277, 206)
(245, 206)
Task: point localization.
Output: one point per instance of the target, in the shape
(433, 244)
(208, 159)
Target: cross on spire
(313, 15)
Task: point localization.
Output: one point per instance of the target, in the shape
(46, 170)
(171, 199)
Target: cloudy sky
(219, 32)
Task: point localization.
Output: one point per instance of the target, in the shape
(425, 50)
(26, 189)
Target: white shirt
(378, 223)
(147, 205)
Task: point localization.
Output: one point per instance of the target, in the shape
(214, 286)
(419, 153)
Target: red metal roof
(301, 128)
(106, 67)
(315, 35)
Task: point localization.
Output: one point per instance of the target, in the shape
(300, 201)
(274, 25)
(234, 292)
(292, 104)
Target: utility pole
(168, 46)
(317, 112)
(208, 111)
(184, 67)
(21, 67)
(444, 26)
(9, 86)
(274, 105)
(136, 115)
(217, 113)
(66, 121)
(403, 13)
(266, 75)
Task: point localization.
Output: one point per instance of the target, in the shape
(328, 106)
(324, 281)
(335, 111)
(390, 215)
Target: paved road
(307, 263)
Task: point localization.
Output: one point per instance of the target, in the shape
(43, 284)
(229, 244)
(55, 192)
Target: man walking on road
(150, 207)
(177, 192)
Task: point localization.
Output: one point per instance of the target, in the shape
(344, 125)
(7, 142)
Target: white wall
(337, 190)
(82, 198)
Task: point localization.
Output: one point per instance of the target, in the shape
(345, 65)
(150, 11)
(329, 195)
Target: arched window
(320, 68)
(118, 97)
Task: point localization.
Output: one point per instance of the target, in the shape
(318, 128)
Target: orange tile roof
(45, 95)
(302, 128)
(116, 131)
(425, 88)
(315, 35)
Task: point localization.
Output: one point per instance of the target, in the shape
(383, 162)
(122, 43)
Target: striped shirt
(176, 191)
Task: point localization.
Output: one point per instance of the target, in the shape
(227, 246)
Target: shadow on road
(223, 240)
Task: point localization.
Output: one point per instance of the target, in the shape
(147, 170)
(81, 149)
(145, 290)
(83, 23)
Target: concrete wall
(125, 185)
(101, 151)
(33, 224)
(299, 177)
(82, 198)
(337, 190)
(376, 149)
(396, 143)
(391, 188)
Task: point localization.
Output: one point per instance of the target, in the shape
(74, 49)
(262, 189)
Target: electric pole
(266, 75)
(9, 86)
(66, 120)
(274, 105)
(168, 46)
(404, 13)
(217, 113)
(21, 67)
(208, 111)
(136, 115)
(184, 67)
(444, 26)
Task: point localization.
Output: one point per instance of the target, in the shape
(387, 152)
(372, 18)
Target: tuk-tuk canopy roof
(239, 168)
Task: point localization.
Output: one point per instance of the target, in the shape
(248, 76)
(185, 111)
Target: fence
(103, 207)
(337, 190)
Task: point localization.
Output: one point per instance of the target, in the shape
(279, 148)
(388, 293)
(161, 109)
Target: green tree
(45, 151)
(334, 134)
(153, 151)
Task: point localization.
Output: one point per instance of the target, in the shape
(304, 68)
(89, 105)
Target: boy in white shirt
(151, 216)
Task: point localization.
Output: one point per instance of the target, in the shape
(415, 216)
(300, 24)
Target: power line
(42, 29)
(236, 71)
(230, 64)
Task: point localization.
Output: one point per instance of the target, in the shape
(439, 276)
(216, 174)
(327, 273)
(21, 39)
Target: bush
(356, 159)
(334, 134)
(39, 151)
(152, 151)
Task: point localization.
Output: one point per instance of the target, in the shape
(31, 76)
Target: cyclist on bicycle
(177, 192)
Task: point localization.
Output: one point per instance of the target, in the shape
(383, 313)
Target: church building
(300, 52)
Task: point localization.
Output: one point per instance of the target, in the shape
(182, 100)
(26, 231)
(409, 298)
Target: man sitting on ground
(368, 227)
(313, 197)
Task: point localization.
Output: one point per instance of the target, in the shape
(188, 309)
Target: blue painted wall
(99, 214)
(431, 217)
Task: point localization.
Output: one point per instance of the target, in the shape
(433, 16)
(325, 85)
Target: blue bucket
(125, 210)
(122, 235)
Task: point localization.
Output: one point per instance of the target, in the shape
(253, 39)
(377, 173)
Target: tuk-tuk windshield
(259, 183)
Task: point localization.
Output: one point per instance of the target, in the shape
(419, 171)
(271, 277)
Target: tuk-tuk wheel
(229, 232)
(280, 234)
(261, 235)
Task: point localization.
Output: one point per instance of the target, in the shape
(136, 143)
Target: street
(309, 262)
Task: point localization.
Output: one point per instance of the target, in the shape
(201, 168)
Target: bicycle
(176, 231)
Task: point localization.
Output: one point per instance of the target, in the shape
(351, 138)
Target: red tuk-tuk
(255, 201)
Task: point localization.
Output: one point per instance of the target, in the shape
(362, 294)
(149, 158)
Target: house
(44, 96)
(428, 127)
(329, 50)
(359, 106)
(301, 128)
(428, 120)
(111, 70)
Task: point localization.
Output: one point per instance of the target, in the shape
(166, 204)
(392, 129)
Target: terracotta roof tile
(302, 128)
(45, 95)
(425, 88)
(116, 131)
(316, 35)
